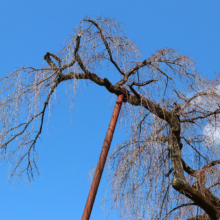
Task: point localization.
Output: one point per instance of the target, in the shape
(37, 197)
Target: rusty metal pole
(102, 159)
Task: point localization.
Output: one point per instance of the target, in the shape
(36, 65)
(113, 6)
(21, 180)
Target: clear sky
(69, 150)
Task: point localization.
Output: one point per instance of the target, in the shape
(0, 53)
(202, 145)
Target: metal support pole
(102, 159)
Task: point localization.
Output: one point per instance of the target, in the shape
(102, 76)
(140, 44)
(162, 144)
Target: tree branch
(200, 117)
(144, 83)
(129, 73)
(106, 45)
(49, 61)
(200, 217)
(47, 58)
(161, 71)
(180, 206)
(150, 106)
(33, 142)
(188, 142)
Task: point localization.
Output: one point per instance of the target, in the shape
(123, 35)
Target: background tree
(171, 111)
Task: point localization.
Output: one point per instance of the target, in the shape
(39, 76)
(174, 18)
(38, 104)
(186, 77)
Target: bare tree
(168, 166)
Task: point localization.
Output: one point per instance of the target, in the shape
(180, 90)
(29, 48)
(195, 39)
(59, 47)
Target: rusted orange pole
(102, 159)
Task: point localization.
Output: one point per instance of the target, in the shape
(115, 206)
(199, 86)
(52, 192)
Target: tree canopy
(167, 168)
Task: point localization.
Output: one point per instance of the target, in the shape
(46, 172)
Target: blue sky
(69, 150)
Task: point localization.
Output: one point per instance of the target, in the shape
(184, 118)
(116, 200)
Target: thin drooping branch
(200, 217)
(33, 142)
(178, 207)
(162, 72)
(163, 200)
(106, 46)
(188, 142)
(213, 185)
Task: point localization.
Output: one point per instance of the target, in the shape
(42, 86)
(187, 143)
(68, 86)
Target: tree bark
(179, 182)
